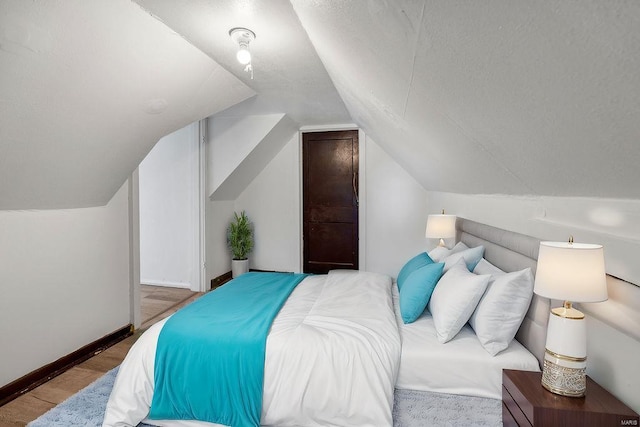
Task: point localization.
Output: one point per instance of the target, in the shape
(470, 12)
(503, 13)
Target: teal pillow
(412, 265)
(417, 290)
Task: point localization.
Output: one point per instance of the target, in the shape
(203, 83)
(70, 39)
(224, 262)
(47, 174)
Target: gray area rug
(411, 408)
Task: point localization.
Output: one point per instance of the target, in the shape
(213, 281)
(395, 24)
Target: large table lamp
(441, 226)
(572, 272)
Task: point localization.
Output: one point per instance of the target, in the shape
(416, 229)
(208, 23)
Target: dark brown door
(330, 200)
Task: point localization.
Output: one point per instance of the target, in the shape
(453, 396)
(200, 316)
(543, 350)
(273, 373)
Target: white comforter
(332, 359)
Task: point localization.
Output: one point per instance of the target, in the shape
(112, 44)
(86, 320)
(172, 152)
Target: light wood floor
(156, 304)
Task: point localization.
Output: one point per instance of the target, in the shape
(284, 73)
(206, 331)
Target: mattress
(332, 358)
(461, 366)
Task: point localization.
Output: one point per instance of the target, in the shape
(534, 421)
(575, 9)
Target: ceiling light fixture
(243, 37)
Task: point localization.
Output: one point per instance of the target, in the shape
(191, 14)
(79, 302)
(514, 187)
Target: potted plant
(240, 241)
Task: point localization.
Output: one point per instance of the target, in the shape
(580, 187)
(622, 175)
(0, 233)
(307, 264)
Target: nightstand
(526, 403)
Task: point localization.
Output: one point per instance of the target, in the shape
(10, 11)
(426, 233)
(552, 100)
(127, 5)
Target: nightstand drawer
(514, 415)
(507, 418)
(527, 403)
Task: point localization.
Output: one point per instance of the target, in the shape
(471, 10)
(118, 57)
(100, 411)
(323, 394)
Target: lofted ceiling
(288, 75)
(86, 90)
(498, 96)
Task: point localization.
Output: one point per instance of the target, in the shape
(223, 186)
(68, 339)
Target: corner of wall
(135, 315)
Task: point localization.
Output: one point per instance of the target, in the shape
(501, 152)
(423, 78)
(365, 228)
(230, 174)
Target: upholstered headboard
(511, 251)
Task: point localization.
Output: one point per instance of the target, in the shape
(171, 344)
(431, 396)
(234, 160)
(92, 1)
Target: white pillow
(439, 253)
(485, 267)
(459, 247)
(454, 299)
(471, 258)
(500, 311)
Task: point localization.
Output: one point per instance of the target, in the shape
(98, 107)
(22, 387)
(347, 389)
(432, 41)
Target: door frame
(201, 239)
(362, 193)
(199, 282)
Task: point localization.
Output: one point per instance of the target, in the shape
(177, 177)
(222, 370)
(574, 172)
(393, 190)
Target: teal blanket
(209, 363)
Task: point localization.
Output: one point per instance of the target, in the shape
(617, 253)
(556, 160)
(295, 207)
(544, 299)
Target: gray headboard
(511, 251)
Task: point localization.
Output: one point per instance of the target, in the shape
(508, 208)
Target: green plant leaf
(240, 236)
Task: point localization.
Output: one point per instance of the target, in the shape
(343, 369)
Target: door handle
(354, 181)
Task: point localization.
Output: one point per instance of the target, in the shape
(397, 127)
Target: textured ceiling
(510, 97)
(86, 89)
(288, 75)
(514, 97)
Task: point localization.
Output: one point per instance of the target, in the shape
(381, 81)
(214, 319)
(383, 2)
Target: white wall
(241, 154)
(169, 209)
(396, 213)
(272, 202)
(614, 223)
(218, 216)
(65, 281)
(230, 140)
(612, 355)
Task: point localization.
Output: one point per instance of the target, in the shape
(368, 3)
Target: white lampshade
(441, 226)
(571, 272)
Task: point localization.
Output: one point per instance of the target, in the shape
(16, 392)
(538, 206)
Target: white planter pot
(239, 266)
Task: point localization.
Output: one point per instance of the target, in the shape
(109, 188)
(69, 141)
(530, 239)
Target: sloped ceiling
(513, 97)
(288, 75)
(86, 89)
(496, 96)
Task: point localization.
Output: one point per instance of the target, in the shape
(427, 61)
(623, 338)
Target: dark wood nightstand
(526, 403)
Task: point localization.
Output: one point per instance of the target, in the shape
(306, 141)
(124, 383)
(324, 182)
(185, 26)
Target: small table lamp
(571, 272)
(441, 227)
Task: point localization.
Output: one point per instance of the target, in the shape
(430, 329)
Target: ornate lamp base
(565, 356)
(564, 375)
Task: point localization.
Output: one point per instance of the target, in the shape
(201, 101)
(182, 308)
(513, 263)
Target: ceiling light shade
(242, 36)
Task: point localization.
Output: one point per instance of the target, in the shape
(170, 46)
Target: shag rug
(411, 408)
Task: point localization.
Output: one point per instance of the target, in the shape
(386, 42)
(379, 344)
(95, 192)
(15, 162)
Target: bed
(332, 358)
(462, 366)
(338, 348)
